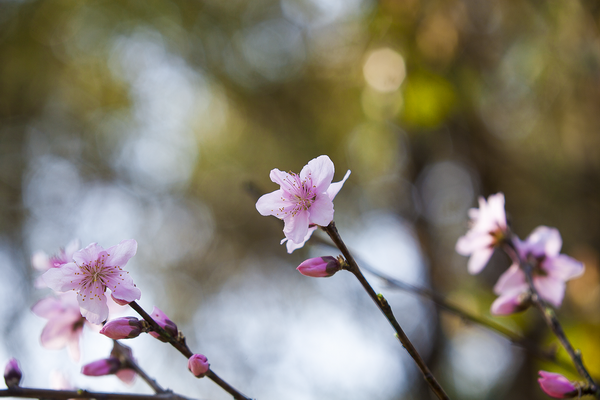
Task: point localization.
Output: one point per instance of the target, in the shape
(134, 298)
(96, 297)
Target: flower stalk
(385, 308)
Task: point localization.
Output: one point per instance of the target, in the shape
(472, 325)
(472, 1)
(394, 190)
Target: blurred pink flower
(557, 386)
(198, 365)
(116, 364)
(302, 200)
(319, 267)
(65, 322)
(551, 269)
(43, 263)
(488, 229)
(92, 271)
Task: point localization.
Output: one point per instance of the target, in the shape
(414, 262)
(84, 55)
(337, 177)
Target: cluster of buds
(119, 363)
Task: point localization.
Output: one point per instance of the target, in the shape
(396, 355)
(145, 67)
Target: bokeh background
(160, 121)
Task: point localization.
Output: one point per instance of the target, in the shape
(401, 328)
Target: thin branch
(180, 344)
(550, 317)
(385, 308)
(130, 363)
(32, 393)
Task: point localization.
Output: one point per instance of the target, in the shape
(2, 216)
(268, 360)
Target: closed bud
(557, 386)
(320, 267)
(122, 328)
(103, 367)
(165, 323)
(198, 365)
(12, 373)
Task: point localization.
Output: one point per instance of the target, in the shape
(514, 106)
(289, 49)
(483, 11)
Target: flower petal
(88, 254)
(479, 259)
(550, 289)
(320, 170)
(119, 254)
(291, 246)
(123, 288)
(92, 303)
(273, 204)
(512, 279)
(335, 187)
(48, 307)
(296, 226)
(63, 278)
(321, 210)
(563, 267)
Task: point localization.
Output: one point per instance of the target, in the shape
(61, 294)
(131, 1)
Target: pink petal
(508, 303)
(550, 289)
(281, 178)
(472, 242)
(296, 227)
(563, 267)
(56, 334)
(88, 255)
(92, 302)
(543, 241)
(63, 278)
(335, 187)
(121, 253)
(125, 289)
(479, 259)
(48, 307)
(321, 171)
(272, 204)
(321, 211)
(512, 279)
(291, 246)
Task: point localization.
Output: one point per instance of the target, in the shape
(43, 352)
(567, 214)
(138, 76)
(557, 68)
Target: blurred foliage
(194, 101)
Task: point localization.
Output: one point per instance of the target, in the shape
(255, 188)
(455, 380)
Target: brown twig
(182, 347)
(385, 308)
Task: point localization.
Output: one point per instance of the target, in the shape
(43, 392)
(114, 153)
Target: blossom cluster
(539, 252)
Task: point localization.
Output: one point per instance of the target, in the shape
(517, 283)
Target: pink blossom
(12, 373)
(122, 328)
(198, 365)
(42, 262)
(550, 272)
(65, 322)
(488, 229)
(164, 322)
(557, 386)
(92, 271)
(319, 267)
(302, 200)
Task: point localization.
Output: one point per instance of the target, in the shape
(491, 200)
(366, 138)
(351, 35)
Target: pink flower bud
(103, 367)
(122, 328)
(198, 365)
(320, 267)
(12, 373)
(557, 386)
(165, 323)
